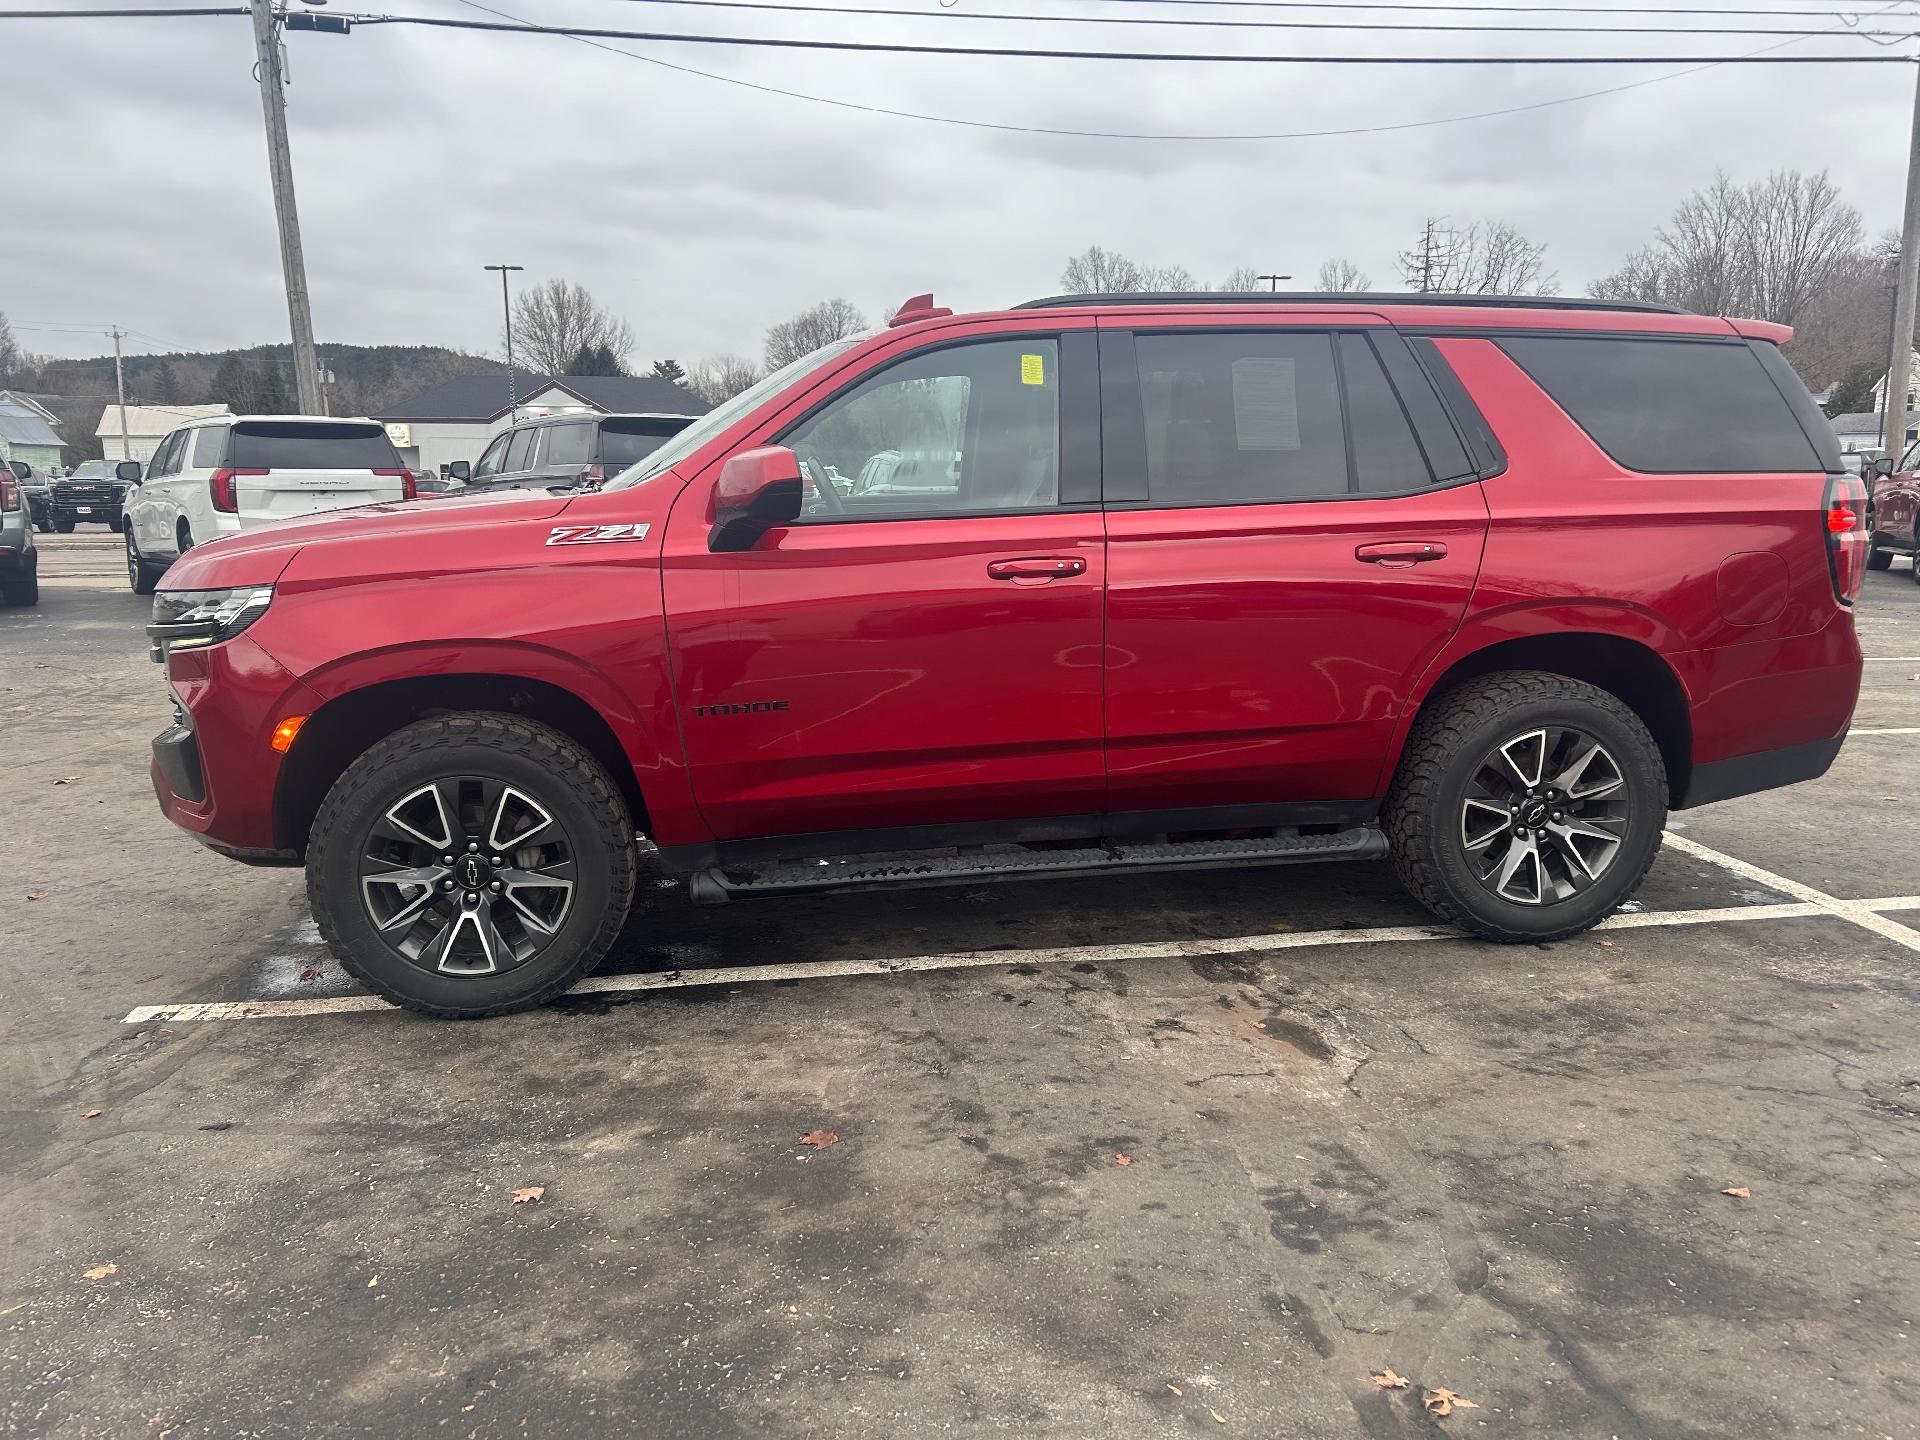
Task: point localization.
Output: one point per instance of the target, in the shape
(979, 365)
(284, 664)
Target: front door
(1284, 556)
(923, 646)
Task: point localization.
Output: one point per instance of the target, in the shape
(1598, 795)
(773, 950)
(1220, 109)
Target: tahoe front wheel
(1527, 806)
(471, 865)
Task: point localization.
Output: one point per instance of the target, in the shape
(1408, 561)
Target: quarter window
(209, 444)
(1241, 416)
(569, 444)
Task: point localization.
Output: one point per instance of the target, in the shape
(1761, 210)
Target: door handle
(1037, 569)
(1398, 554)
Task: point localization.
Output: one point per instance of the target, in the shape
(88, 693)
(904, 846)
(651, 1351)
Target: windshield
(725, 413)
(92, 470)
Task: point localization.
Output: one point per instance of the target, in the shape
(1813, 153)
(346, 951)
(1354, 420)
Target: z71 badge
(594, 534)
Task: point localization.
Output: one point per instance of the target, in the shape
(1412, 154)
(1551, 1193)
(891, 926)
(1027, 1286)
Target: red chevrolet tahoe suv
(1096, 584)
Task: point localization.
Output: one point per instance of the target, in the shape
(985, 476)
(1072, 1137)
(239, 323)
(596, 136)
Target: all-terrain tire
(1447, 746)
(1877, 559)
(530, 756)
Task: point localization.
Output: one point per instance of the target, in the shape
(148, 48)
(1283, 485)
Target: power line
(1463, 28)
(1484, 9)
(1015, 52)
(116, 14)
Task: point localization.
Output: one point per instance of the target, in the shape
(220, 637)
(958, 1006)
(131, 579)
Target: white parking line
(1859, 912)
(967, 959)
(1897, 730)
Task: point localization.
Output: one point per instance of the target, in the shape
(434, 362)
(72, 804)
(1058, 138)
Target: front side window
(489, 462)
(967, 428)
(1238, 416)
(519, 452)
(166, 460)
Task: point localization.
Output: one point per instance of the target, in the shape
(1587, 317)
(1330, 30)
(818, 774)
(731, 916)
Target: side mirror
(127, 470)
(21, 470)
(460, 470)
(1883, 466)
(758, 490)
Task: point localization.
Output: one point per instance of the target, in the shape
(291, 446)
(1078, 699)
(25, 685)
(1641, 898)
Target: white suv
(230, 472)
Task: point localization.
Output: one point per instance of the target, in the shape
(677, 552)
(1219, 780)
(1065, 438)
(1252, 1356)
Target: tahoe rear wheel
(471, 865)
(1527, 806)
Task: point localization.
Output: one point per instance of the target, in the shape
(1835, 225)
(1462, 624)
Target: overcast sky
(134, 182)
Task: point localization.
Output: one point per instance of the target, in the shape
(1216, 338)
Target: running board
(718, 884)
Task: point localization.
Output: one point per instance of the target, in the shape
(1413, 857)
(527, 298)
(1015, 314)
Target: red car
(1096, 584)
(1893, 514)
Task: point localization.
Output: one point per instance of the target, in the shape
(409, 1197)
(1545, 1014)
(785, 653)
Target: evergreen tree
(595, 360)
(669, 370)
(234, 385)
(272, 394)
(164, 386)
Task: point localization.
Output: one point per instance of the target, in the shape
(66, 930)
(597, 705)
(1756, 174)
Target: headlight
(183, 619)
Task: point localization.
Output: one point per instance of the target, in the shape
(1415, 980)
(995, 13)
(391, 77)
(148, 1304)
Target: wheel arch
(1630, 669)
(346, 725)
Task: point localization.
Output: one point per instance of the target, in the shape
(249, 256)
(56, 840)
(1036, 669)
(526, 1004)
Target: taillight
(220, 488)
(1846, 529)
(9, 492)
(407, 491)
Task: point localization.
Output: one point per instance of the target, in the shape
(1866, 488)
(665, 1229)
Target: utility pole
(273, 104)
(506, 309)
(120, 387)
(1893, 434)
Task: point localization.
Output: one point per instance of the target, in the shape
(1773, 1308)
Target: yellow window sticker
(1033, 369)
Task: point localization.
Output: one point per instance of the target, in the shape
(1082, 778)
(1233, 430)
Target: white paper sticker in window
(1266, 403)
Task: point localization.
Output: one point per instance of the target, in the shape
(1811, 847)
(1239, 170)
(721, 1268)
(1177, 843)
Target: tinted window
(519, 452)
(490, 458)
(569, 444)
(1386, 457)
(166, 460)
(208, 445)
(1233, 416)
(624, 441)
(1669, 405)
(969, 427)
(309, 445)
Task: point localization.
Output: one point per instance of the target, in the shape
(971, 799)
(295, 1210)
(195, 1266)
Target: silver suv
(19, 560)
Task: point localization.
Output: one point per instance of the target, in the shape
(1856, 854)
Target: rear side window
(310, 445)
(209, 446)
(519, 451)
(569, 444)
(624, 441)
(1238, 416)
(1386, 457)
(1670, 406)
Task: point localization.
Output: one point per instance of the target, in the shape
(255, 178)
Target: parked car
(1893, 510)
(429, 484)
(567, 450)
(19, 559)
(219, 475)
(93, 493)
(1488, 585)
(36, 489)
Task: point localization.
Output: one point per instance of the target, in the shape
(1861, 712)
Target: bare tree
(813, 327)
(1101, 272)
(1489, 257)
(1175, 279)
(1768, 249)
(553, 320)
(11, 359)
(1341, 277)
(721, 377)
(1242, 280)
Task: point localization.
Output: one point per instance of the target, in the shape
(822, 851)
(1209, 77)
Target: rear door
(157, 514)
(283, 468)
(1293, 530)
(922, 649)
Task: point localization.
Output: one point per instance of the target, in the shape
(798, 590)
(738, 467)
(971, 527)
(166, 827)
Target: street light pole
(506, 308)
(1893, 436)
(293, 264)
(1273, 282)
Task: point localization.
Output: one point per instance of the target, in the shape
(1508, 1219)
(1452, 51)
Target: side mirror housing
(21, 470)
(460, 470)
(1883, 466)
(758, 490)
(127, 470)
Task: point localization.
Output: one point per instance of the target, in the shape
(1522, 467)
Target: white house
(455, 420)
(1913, 386)
(146, 427)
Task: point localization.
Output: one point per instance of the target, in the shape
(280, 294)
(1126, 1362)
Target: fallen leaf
(819, 1139)
(100, 1272)
(91, 1115)
(1604, 944)
(373, 1282)
(1175, 1388)
(36, 894)
(529, 1194)
(309, 975)
(1218, 1417)
(1442, 1401)
(1120, 1159)
(1739, 1192)
(1387, 1380)
(66, 779)
(218, 1125)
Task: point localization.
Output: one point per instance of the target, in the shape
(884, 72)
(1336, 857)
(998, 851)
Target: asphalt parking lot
(1197, 1154)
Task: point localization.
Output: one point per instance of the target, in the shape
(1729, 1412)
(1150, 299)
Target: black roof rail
(1314, 297)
